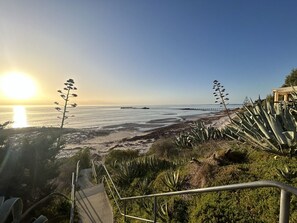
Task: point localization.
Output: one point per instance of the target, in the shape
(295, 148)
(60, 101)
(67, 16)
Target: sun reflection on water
(19, 117)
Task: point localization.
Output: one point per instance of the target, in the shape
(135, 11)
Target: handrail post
(155, 209)
(125, 210)
(77, 171)
(72, 198)
(284, 211)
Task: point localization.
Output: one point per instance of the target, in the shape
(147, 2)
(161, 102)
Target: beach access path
(92, 201)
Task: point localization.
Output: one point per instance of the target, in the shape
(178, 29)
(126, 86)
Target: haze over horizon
(147, 52)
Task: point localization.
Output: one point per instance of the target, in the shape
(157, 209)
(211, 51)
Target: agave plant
(273, 129)
(126, 172)
(144, 186)
(287, 174)
(183, 140)
(163, 212)
(199, 133)
(173, 181)
(162, 208)
(155, 165)
(14, 207)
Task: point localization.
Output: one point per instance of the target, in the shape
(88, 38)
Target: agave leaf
(2, 200)
(14, 206)
(259, 124)
(275, 126)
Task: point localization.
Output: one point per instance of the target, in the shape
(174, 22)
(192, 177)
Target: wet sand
(128, 136)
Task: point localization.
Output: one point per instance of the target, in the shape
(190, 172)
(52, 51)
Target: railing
(74, 179)
(285, 194)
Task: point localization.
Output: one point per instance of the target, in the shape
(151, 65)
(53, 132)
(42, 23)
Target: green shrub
(179, 211)
(126, 172)
(84, 158)
(29, 170)
(199, 133)
(245, 207)
(164, 148)
(121, 156)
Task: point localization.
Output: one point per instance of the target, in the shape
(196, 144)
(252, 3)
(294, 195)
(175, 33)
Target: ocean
(104, 117)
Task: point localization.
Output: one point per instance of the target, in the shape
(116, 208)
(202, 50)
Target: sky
(126, 52)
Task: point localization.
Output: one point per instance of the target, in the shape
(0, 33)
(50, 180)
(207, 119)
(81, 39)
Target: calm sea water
(99, 116)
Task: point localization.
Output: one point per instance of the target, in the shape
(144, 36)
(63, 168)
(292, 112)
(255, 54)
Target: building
(283, 94)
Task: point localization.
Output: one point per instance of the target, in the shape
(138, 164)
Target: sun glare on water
(18, 86)
(19, 117)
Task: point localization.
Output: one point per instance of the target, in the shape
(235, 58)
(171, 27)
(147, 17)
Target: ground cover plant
(229, 162)
(213, 161)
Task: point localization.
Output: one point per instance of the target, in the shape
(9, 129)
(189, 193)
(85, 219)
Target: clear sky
(149, 51)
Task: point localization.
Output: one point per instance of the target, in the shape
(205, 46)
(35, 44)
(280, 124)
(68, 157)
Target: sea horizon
(104, 117)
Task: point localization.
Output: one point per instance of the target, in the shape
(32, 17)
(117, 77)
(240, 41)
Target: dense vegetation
(291, 79)
(30, 171)
(209, 164)
(261, 146)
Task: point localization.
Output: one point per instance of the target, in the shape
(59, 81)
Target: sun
(18, 86)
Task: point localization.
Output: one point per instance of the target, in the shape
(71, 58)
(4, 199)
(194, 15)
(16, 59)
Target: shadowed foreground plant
(11, 211)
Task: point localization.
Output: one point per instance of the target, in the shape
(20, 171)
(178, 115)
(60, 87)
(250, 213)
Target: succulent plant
(183, 140)
(126, 172)
(198, 133)
(14, 207)
(287, 174)
(173, 181)
(271, 128)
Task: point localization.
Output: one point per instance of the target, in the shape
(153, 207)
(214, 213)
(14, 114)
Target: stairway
(91, 200)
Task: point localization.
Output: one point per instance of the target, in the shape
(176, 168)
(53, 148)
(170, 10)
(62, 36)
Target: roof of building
(285, 89)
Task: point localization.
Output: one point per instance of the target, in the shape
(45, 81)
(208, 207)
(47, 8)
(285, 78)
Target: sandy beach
(101, 142)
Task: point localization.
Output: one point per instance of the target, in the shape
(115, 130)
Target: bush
(68, 165)
(126, 172)
(164, 148)
(120, 156)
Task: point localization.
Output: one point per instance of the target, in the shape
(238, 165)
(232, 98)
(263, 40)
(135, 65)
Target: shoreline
(131, 137)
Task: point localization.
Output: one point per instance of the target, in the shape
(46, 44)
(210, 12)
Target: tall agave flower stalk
(66, 94)
(221, 96)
